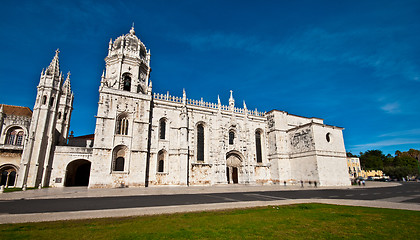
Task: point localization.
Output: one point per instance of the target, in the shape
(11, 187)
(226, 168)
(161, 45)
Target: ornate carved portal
(233, 163)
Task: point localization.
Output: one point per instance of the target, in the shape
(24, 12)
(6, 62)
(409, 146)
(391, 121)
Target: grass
(302, 221)
(6, 190)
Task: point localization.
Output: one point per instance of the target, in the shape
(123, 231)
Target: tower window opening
(122, 125)
(126, 82)
(51, 101)
(44, 100)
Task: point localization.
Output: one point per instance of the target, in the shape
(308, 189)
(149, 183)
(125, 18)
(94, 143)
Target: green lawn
(6, 190)
(303, 221)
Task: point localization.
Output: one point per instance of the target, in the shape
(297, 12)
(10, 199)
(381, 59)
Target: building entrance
(233, 164)
(77, 173)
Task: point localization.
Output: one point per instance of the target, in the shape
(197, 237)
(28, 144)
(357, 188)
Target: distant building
(353, 164)
(372, 173)
(14, 128)
(143, 138)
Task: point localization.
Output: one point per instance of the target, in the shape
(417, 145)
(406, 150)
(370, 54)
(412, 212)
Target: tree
(402, 165)
(372, 160)
(349, 154)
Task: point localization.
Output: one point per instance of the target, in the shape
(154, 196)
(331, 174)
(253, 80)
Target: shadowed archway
(77, 173)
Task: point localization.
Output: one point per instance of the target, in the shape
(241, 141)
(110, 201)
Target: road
(408, 193)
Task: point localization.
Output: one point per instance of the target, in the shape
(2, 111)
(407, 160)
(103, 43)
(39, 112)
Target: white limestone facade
(14, 127)
(144, 138)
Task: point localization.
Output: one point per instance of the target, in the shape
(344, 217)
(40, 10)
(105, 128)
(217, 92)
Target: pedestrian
(363, 182)
(301, 183)
(285, 183)
(315, 183)
(358, 182)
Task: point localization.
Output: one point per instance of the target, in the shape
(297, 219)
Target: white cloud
(391, 108)
(384, 143)
(402, 133)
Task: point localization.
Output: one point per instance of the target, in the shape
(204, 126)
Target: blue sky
(356, 64)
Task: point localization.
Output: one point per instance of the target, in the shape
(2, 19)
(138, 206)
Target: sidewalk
(83, 192)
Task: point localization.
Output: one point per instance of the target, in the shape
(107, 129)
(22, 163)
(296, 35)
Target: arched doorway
(233, 164)
(77, 173)
(8, 175)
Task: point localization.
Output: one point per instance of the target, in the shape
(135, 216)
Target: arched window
(15, 136)
(51, 102)
(19, 139)
(231, 137)
(119, 164)
(126, 82)
(44, 100)
(122, 125)
(258, 146)
(11, 138)
(119, 158)
(162, 128)
(200, 142)
(59, 115)
(161, 161)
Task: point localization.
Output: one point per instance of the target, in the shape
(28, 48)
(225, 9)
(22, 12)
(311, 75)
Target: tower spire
(54, 67)
(66, 85)
(231, 100)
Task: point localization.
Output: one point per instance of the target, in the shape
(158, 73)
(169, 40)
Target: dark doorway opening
(235, 175)
(227, 174)
(77, 173)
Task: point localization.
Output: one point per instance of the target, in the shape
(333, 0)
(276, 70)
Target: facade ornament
(231, 101)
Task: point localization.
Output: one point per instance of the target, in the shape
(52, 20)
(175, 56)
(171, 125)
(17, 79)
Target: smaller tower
(65, 108)
(43, 133)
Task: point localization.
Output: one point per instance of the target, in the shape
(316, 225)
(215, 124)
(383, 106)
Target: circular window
(328, 137)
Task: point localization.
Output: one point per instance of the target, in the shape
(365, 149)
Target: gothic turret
(44, 132)
(64, 112)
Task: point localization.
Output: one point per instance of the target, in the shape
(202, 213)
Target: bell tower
(127, 64)
(123, 118)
